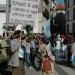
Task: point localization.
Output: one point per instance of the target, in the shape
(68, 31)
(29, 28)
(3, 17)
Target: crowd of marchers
(36, 50)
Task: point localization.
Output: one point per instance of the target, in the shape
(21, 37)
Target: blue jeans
(27, 60)
(57, 53)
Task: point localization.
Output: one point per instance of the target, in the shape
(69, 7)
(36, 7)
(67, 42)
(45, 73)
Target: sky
(60, 1)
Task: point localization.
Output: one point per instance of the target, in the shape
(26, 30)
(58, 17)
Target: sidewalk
(31, 71)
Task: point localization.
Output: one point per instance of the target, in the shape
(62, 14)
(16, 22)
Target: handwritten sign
(24, 11)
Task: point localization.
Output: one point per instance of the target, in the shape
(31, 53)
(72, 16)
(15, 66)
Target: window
(68, 3)
(74, 2)
(74, 13)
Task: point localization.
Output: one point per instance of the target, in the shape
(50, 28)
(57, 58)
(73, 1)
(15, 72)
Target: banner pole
(28, 31)
(7, 13)
(21, 31)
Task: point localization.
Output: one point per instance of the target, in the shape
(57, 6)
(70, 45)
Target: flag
(21, 52)
(47, 29)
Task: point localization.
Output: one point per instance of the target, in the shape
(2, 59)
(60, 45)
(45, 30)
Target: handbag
(21, 52)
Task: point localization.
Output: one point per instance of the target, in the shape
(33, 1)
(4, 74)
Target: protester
(69, 48)
(46, 66)
(40, 41)
(73, 54)
(4, 46)
(57, 48)
(42, 48)
(52, 58)
(53, 43)
(33, 49)
(27, 52)
(16, 60)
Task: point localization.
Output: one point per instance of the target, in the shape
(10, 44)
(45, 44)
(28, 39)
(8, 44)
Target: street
(60, 69)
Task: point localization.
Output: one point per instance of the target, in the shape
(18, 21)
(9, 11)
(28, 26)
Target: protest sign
(24, 11)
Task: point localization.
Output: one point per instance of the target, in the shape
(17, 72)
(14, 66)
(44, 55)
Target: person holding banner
(16, 59)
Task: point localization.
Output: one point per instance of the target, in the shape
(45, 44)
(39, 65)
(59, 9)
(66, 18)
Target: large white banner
(24, 11)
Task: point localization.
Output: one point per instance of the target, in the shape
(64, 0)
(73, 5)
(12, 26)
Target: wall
(2, 20)
(70, 3)
(70, 21)
(3, 2)
(39, 23)
(35, 28)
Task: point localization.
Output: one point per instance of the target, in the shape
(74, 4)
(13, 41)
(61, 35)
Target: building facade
(46, 11)
(70, 16)
(2, 14)
(37, 28)
(60, 19)
(43, 16)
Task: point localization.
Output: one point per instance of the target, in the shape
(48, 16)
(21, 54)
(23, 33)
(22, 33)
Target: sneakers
(25, 66)
(30, 67)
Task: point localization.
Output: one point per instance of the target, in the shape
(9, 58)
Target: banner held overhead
(24, 11)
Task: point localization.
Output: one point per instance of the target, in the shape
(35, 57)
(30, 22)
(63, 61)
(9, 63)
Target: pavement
(31, 71)
(61, 68)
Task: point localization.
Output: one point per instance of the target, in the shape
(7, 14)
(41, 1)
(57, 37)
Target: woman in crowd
(57, 48)
(27, 60)
(46, 66)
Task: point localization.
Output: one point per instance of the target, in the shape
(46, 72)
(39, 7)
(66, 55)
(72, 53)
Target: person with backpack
(46, 66)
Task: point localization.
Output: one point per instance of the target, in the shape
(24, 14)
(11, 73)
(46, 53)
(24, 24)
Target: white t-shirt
(21, 52)
(27, 48)
(58, 45)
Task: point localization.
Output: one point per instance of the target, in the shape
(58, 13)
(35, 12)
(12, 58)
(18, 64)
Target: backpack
(47, 65)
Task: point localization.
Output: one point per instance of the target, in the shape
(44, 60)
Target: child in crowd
(46, 66)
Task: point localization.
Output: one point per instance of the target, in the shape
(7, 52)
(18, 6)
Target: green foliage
(2, 58)
(23, 70)
(5, 69)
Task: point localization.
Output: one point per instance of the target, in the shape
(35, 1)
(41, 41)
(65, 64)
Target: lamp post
(7, 13)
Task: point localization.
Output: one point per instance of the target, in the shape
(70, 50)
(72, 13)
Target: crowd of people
(37, 50)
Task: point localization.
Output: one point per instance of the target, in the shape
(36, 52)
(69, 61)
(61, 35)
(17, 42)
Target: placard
(24, 11)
